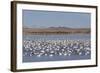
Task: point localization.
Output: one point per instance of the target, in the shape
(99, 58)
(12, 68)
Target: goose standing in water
(51, 48)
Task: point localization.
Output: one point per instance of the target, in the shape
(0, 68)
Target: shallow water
(54, 58)
(56, 37)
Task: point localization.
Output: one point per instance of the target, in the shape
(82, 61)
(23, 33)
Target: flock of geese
(52, 48)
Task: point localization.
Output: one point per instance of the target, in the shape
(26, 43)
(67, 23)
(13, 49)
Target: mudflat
(55, 30)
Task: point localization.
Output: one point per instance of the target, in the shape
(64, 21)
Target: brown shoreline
(55, 31)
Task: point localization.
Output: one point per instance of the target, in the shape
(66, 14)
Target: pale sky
(45, 19)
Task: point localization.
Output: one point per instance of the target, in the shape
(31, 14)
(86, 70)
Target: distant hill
(55, 30)
(59, 28)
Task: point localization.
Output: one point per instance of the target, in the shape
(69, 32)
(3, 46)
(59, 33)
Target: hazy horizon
(58, 27)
